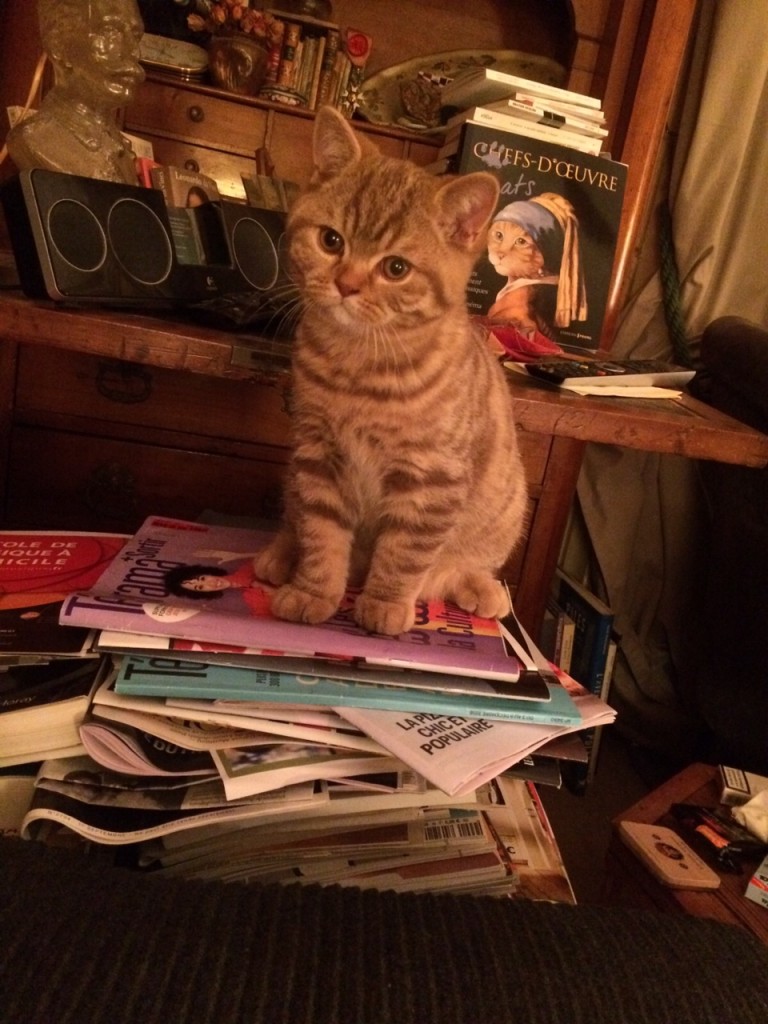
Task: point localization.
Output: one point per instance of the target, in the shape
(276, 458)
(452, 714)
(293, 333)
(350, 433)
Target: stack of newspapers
(225, 743)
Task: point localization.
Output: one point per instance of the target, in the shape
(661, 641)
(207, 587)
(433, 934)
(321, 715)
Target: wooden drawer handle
(126, 383)
(196, 114)
(191, 165)
(110, 490)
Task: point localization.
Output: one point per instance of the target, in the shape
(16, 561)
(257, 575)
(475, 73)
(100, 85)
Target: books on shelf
(565, 206)
(511, 122)
(479, 85)
(593, 737)
(314, 63)
(134, 595)
(595, 647)
(557, 633)
(553, 115)
(594, 624)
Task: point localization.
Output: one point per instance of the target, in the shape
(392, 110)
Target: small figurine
(93, 46)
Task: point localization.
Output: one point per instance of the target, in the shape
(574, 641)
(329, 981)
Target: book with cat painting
(133, 595)
(548, 263)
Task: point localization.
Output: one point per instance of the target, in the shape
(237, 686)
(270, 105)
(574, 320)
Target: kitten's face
(364, 249)
(512, 251)
(376, 242)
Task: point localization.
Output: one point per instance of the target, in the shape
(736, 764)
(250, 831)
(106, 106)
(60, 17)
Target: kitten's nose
(348, 283)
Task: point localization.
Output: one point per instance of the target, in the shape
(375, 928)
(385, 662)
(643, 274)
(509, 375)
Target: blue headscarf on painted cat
(551, 222)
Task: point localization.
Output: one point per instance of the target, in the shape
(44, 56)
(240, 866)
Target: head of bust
(93, 46)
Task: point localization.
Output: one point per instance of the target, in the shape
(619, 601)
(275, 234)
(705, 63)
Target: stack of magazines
(223, 742)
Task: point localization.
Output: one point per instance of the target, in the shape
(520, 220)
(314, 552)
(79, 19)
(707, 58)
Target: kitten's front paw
(273, 564)
(389, 617)
(297, 605)
(482, 595)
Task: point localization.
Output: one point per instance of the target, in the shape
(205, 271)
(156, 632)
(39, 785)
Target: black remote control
(610, 372)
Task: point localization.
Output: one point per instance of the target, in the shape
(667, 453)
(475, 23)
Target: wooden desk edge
(693, 429)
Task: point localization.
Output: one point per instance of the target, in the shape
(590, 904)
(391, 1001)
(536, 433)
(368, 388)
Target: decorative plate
(380, 99)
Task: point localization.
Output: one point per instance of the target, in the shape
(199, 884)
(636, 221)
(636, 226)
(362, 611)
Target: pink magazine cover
(133, 595)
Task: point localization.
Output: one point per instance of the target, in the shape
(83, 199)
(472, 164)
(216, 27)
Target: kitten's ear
(335, 145)
(465, 206)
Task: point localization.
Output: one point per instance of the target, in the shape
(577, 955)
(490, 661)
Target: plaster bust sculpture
(93, 47)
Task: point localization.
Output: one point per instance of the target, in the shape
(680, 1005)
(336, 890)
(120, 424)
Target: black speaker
(253, 287)
(79, 239)
(83, 240)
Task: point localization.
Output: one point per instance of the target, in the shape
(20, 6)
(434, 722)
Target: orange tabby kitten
(405, 476)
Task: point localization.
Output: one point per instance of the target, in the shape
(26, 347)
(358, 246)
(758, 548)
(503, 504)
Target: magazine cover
(549, 258)
(38, 569)
(196, 580)
(162, 677)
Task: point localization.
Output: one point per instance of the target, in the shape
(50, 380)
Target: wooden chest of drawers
(100, 444)
(202, 129)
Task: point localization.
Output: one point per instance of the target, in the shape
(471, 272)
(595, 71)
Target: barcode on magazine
(453, 830)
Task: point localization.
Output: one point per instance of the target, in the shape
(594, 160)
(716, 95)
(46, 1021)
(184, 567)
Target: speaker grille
(76, 235)
(255, 253)
(139, 242)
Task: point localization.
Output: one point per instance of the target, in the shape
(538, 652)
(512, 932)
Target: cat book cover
(136, 594)
(38, 569)
(551, 245)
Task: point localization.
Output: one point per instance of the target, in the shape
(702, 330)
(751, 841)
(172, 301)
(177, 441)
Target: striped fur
(405, 477)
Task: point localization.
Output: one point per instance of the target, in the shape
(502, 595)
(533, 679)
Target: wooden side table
(630, 883)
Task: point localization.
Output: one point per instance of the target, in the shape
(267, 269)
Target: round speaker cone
(255, 253)
(140, 241)
(77, 235)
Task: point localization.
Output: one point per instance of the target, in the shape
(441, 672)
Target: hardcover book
(549, 258)
(479, 85)
(143, 591)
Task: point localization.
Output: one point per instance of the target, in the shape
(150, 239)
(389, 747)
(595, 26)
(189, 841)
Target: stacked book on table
(523, 106)
(543, 283)
(222, 742)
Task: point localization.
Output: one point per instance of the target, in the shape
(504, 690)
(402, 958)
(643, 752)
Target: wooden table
(630, 883)
(682, 426)
(554, 425)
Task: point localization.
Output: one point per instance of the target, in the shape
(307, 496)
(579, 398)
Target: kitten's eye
(331, 240)
(395, 267)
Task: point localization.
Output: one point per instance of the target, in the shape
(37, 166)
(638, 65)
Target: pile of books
(222, 742)
(544, 281)
(540, 111)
